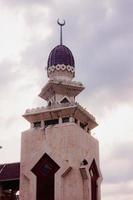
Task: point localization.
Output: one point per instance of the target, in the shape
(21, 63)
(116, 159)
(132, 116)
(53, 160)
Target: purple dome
(60, 55)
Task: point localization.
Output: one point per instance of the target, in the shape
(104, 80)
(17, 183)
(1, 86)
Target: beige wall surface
(67, 144)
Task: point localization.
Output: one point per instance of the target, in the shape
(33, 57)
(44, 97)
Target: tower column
(59, 159)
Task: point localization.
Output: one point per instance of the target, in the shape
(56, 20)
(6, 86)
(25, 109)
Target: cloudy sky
(100, 35)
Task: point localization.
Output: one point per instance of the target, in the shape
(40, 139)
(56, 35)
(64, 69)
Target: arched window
(94, 176)
(65, 100)
(45, 170)
(49, 103)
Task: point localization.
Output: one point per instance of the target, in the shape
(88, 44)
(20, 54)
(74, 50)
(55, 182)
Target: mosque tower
(59, 156)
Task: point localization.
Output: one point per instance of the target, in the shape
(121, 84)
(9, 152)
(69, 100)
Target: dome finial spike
(61, 24)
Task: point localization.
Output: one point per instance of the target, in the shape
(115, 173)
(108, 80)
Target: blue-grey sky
(100, 35)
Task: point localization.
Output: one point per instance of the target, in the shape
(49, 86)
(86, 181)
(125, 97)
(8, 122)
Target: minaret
(59, 156)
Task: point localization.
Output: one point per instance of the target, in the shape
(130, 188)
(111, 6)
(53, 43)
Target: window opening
(65, 119)
(76, 121)
(65, 100)
(49, 103)
(82, 125)
(51, 122)
(94, 176)
(45, 170)
(37, 124)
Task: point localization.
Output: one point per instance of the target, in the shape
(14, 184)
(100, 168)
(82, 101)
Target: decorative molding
(61, 67)
(64, 98)
(84, 172)
(66, 171)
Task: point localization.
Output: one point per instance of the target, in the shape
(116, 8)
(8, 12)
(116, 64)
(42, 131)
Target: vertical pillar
(60, 120)
(78, 122)
(42, 124)
(71, 119)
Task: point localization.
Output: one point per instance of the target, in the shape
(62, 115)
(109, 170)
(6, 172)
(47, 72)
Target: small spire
(61, 24)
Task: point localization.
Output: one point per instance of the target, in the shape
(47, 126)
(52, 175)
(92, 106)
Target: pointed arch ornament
(45, 170)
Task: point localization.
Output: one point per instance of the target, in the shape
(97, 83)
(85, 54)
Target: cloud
(118, 167)
(15, 3)
(124, 151)
(9, 73)
(108, 60)
(120, 191)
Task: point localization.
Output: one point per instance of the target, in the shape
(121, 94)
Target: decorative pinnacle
(61, 24)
